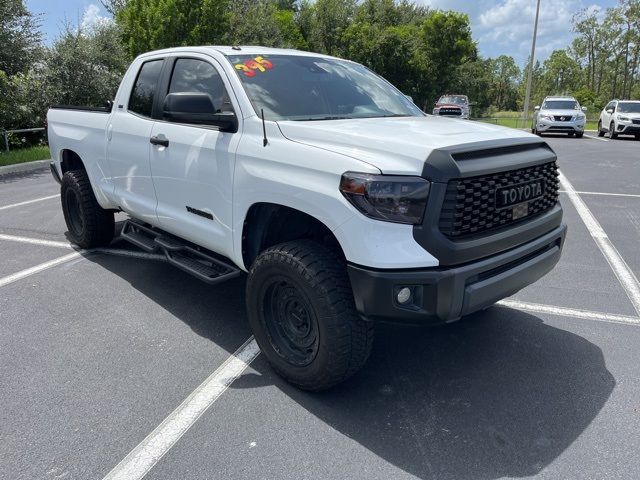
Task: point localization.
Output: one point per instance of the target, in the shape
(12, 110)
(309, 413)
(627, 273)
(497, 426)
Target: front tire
(89, 224)
(579, 135)
(302, 313)
(612, 131)
(600, 131)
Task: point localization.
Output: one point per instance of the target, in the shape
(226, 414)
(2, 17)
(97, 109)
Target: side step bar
(202, 264)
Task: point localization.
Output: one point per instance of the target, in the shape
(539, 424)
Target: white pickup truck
(343, 202)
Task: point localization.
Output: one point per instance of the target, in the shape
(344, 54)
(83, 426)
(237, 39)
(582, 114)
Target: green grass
(22, 155)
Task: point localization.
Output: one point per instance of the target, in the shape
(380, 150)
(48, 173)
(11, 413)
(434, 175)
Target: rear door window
(144, 90)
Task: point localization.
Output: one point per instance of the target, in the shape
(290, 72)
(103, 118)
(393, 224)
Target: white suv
(620, 117)
(559, 115)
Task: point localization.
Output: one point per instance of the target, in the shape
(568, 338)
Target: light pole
(530, 74)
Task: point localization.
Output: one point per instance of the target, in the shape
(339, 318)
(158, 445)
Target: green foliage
(20, 37)
(23, 155)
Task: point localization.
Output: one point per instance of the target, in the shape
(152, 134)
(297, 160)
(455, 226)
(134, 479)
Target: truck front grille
(563, 118)
(449, 111)
(469, 206)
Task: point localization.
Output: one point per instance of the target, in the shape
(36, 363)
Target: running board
(202, 264)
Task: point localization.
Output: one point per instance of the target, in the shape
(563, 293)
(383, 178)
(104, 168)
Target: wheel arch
(268, 224)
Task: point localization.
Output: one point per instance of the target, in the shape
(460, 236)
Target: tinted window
(560, 105)
(629, 107)
(141, 101)
(296, 87)
(190, 75)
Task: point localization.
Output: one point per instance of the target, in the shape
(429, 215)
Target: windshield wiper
(313, 119)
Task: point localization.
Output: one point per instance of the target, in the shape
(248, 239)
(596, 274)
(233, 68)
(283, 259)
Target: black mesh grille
(469, 206)
(450, 111)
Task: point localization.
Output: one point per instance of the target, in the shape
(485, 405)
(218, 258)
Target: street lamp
(530, 74)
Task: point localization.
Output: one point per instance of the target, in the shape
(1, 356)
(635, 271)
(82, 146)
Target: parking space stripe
(625, 275)
(596, 138)
(4, 207)
(570, 312)
(606, 194)
(38, 268)
(143, 457)
(35, 241)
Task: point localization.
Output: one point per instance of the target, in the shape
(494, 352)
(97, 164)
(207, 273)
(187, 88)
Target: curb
(25, 167)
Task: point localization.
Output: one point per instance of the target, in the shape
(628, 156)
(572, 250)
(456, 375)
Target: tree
(504, 75)
(330, 20)
(20, 37)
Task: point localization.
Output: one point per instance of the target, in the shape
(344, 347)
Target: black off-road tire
(302, 313)
(88, 223)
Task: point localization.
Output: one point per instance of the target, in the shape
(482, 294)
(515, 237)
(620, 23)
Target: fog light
(404, 295)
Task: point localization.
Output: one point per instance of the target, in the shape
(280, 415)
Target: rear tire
(302, 313)
(600, 131)
(88, 223)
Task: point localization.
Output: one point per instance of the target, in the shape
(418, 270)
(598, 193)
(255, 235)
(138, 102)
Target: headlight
(580, 116)
(436, 111)
(546, 117)
(623, 119)
(390, 198)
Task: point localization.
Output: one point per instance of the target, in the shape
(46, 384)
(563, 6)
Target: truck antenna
(264, 129)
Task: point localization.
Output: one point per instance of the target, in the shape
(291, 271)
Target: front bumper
(548, 126)
(442, 295)
(628, 128)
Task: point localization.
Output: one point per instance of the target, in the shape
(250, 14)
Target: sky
(499, 26)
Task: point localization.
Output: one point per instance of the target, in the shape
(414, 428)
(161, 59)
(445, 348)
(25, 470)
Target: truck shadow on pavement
(499, 394)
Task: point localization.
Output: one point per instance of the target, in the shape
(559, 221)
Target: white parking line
(570, 312)
(597, 138)
(4, 207)
(35, 241)
(108, 251)
(142, 458)
(605, 194)
(625, 275)
(38, 268)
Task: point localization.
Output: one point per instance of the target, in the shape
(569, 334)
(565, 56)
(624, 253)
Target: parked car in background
(453, 106)
(559, 115)
(620, 117)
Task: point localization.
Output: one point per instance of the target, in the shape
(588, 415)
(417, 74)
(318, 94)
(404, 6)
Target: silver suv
(559, 115)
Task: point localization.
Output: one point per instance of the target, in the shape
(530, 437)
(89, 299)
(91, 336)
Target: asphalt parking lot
(98, 349)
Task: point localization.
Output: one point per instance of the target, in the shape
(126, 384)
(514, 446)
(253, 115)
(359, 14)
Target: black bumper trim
(54, 172)
(442, 295)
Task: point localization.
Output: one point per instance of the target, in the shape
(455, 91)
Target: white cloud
(91, 18)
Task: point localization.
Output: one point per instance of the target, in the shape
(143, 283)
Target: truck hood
(397, 145)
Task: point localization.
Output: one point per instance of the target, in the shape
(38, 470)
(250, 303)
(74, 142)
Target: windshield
(628, 107)
(457, 99)
(560, 105)
(292, 87)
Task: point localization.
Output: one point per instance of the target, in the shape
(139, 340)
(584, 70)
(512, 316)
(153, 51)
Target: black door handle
(164, 142)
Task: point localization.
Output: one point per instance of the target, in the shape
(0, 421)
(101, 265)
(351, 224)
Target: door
(128, 145)
(193, 172)
(606, 116)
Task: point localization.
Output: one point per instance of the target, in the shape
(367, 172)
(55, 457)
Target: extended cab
(343, 202)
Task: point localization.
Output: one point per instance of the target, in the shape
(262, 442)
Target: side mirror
(536, 108)
(609, 110)
(584, 109)
(197, 108)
